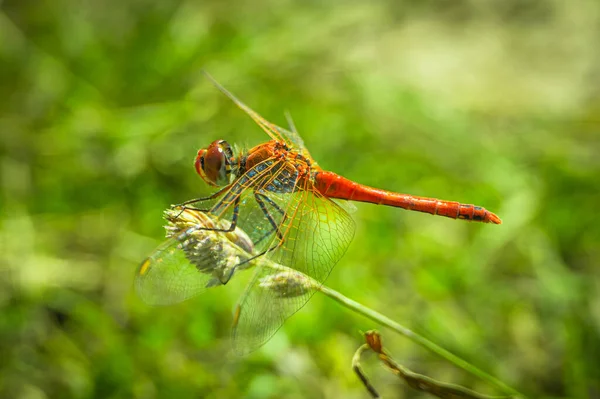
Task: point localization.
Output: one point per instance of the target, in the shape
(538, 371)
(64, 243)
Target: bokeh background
(102, 109)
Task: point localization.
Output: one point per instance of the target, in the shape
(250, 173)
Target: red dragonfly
(290, 209)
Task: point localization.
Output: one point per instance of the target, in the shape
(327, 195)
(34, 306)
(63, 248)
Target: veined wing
(292, 139)
(192, 260)
(293, 227)
(316, 233)
(196, 258)
(262, 195)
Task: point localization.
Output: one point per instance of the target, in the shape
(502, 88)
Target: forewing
(317, 232)
(296, 141)
(292, 139)
(267, 126)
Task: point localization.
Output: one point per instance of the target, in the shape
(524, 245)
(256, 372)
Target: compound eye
(212, 163)
(226, 150)
(199, 164)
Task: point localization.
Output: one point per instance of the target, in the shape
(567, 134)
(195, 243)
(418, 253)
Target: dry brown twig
(416, 381)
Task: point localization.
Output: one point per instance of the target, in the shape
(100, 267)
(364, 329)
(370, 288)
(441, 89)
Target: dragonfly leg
(272, 203)
(274, 247)
(234, 218)
(202, 199)
(261, 199)
(184, 205)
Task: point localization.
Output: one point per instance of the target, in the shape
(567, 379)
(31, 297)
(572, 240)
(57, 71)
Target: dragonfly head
(215, 163)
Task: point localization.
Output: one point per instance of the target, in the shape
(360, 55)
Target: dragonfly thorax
(216, 164)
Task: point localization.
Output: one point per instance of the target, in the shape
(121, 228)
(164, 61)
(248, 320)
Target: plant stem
(290, 282)
(424, 342)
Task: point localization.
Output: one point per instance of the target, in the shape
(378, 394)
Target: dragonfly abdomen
(335, 186)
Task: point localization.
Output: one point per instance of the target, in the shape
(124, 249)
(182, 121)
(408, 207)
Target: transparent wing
(267, 126)
(262, 194)
(168, 277)
(196, 258)
(316, 233)
(292, 139)
(291, 124)
(292, 135)
(348, 206)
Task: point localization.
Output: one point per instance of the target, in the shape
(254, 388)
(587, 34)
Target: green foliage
(102, 109)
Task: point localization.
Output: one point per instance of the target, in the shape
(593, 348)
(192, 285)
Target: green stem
(288, 282)
(424, 342)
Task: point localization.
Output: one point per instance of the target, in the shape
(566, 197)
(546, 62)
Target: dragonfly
(294, 214)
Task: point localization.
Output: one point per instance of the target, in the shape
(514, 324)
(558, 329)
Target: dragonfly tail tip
(492, 218)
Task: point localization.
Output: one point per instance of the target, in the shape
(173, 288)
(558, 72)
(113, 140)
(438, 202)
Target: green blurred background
(103, 107)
